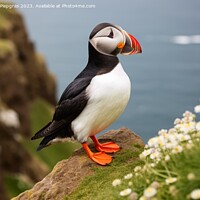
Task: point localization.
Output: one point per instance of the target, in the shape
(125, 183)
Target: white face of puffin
(112, 40)
(107, 40)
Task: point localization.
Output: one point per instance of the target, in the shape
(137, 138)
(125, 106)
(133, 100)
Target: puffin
(96, 97)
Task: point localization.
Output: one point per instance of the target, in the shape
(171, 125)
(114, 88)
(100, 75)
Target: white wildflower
(188, 117)
(125, 192)
(133, 196)
(186, 137)
(162, 132)
(190, 144)
(186, 127)
(173, 138)
(155, 184)
(172, 131)
(116, 182)
(197, 109)
(177, 121)
(173, 190)
(128, 176)
(162, 140)
(152, 165)
(145, 153)
(195, 194)
(137, 168)
(171, 145)
(156, 155)
(183, 137)
(145, 167)
(150, 192)
(157, 141)
(153, 142)
(177, 149)
(170, 180)
(137, 174)
(130, 183)
(167, 158)
(143, 198)
(191, 176)
(198, 126)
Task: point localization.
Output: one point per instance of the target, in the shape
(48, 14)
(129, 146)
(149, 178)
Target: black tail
(45, 141)
(54, 129)
(49, 129)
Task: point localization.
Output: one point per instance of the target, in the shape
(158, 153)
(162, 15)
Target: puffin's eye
(111, 35)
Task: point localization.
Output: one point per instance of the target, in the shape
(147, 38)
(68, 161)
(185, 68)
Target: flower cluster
(159, 151)
(172, 141)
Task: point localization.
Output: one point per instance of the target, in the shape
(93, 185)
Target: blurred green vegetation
(15, 185)
(5, 24)
(41, 113)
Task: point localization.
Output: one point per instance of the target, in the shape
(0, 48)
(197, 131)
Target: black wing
(73, 100)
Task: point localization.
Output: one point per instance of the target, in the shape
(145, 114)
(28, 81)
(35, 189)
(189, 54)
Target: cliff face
(23, 78)
(23, 73)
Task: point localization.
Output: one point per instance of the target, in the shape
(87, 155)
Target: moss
(6, 11)
(5, 24)
(7, 48)
(99, 185)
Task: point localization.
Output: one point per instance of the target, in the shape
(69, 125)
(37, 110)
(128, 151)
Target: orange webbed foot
(108, 147)
(101, 158)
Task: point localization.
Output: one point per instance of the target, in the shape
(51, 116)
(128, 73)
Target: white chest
(108, 96)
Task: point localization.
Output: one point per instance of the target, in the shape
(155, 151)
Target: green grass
(182, 165)
(99, 185)
(15, 185)
(41, 113)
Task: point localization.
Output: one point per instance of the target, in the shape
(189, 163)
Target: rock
(15, 159)
(3, 194)
(23, 78)
(68, 174)
(23, 72)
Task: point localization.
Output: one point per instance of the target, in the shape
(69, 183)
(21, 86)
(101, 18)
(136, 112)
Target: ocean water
(165, 77)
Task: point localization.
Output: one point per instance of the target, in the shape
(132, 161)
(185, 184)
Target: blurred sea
(165, 77)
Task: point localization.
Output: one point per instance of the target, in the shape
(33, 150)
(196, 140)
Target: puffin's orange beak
(131, 46)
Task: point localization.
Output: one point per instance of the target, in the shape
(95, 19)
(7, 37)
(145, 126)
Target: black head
(110, 39)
